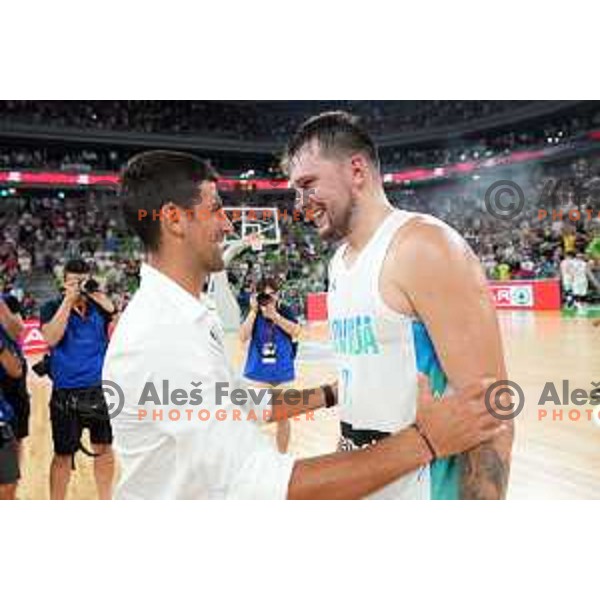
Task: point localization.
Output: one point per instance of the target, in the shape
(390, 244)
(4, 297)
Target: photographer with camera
(75, 327)
(15, 388)
(273, 332)
(11, 366)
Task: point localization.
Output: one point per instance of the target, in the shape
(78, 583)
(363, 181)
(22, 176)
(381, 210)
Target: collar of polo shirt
(190, 306)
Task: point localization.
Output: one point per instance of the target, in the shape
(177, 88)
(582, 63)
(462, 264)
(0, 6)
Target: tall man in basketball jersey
(406, 296)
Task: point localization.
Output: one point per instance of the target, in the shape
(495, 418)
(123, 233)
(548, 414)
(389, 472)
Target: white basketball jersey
(379, 353)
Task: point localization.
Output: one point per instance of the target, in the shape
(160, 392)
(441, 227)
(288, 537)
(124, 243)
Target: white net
(258, 226)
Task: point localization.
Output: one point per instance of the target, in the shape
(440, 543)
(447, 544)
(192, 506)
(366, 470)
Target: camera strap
(76, 405)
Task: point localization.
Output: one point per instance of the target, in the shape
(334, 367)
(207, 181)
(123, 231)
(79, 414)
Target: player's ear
(172, 220)
(359, 167)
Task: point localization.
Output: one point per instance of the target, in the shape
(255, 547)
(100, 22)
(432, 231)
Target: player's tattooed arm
(446, 286)
(484, 473)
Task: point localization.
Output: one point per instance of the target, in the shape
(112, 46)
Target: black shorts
(9, 458)
(72, 411)
(22, 409)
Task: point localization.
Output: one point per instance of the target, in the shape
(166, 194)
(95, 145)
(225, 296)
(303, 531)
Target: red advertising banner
(31, 340)
(316, 307)
(535, 294)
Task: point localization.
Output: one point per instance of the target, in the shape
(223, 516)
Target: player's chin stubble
(341, 224)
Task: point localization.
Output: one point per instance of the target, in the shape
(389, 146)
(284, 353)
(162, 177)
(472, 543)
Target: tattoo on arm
(484, 474)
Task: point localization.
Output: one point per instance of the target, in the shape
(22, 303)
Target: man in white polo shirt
(167, 356)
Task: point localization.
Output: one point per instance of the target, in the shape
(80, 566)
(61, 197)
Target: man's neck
(80, 306)
(189, 278)
(368, 216)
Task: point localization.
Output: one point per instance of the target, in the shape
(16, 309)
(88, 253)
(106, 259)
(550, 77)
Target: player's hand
(456, 422)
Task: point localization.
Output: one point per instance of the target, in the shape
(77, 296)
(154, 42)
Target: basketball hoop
(256, 227)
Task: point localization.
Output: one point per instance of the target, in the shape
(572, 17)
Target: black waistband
(362, 437)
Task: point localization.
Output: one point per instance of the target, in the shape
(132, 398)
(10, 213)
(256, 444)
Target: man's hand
(269, 311)
(253, 303)
(103, 301)
(72, 293)
(457, 422)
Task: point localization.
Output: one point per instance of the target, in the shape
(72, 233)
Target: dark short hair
(152, 179)
(76, 266)
(335, 132)
(267, 282)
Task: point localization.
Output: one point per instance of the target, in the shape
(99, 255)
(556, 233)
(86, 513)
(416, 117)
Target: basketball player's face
(325, 187)
(207, 228)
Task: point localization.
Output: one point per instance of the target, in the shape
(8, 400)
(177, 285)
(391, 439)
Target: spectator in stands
(567, 277)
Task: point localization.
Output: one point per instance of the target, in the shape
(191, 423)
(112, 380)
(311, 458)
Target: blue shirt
(7, 413)
(265, 331)
(5, 409)
(77, 360)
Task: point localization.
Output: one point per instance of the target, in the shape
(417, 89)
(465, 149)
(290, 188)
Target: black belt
(362, 437)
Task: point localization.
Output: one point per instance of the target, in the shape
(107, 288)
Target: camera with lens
(42, 368)
(89, 286)
(263, 299)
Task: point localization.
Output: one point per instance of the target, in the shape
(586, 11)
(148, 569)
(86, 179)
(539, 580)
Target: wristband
(329, 395)
(426, 439)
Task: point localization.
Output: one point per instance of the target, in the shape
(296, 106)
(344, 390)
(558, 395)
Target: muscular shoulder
(426, 246)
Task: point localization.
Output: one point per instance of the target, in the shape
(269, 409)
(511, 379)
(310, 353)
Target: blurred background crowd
(41, 226)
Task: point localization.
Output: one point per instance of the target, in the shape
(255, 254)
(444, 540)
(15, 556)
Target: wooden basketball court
(551, 459)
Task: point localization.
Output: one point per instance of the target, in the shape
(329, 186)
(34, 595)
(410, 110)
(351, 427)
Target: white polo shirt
(168, 335)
